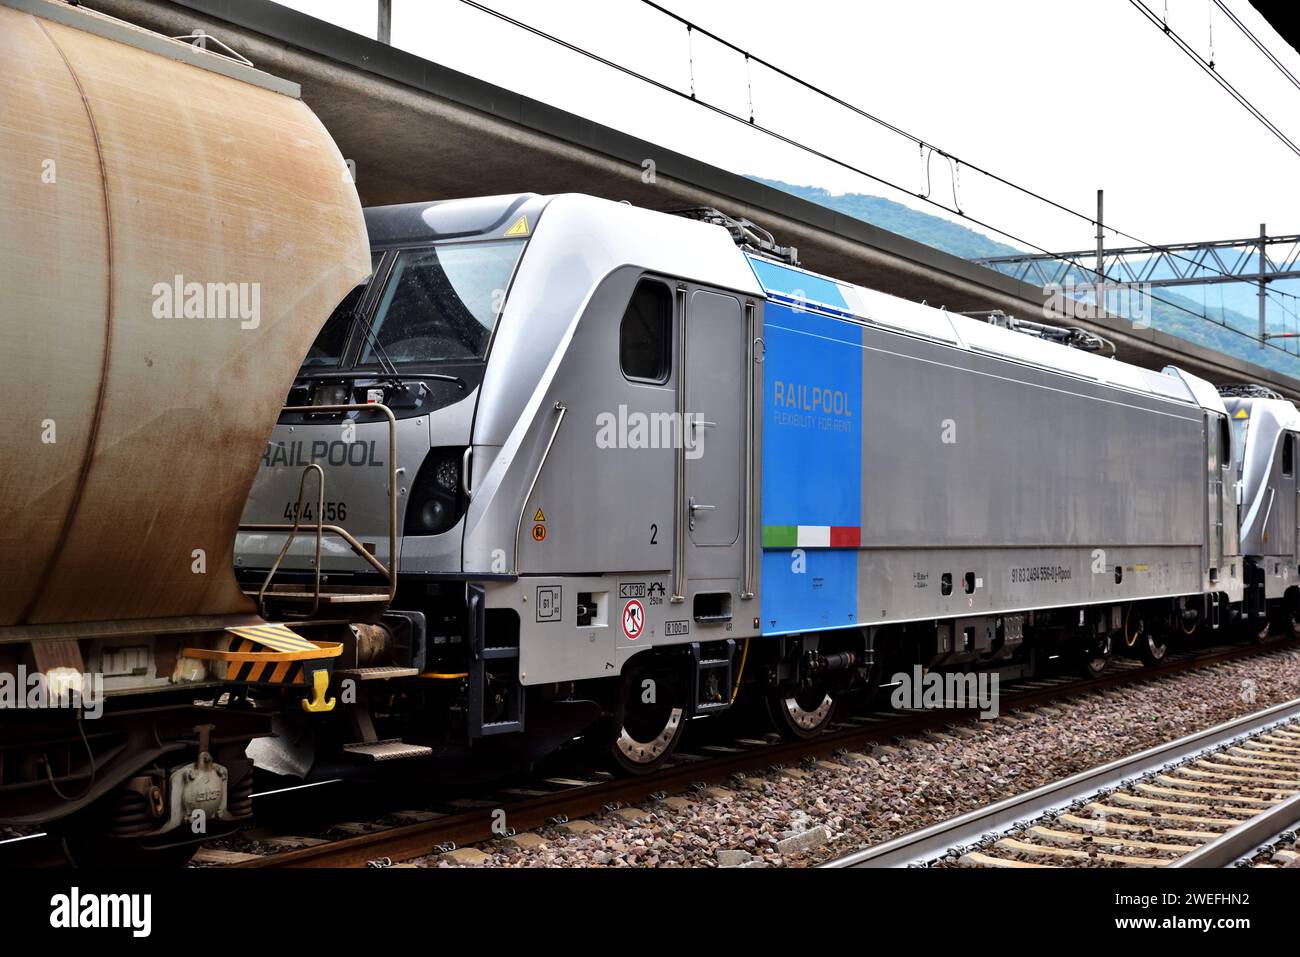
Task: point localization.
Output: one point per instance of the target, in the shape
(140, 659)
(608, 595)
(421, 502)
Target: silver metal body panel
(554, 648)
(898, 585)
(577, 244)
(1268, 509)
(609, 512)
(1039, 495)
(1033, 458)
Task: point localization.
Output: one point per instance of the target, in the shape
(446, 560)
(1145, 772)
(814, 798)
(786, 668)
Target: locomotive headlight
(433, 513)
(437, 502)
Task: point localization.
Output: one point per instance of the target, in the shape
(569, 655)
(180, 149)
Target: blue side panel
(824, 595)
(812, 464)
(797, 284)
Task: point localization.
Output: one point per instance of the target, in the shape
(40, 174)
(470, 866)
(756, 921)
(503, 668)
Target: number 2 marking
(654, 534)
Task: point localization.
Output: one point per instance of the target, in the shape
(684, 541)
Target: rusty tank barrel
(175, 228)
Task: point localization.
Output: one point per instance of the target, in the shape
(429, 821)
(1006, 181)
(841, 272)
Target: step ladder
(392, 749)
(370, 747)
(712, 677)
(488, 662)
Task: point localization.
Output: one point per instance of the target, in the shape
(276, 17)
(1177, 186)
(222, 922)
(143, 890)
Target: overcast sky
(1059, 97)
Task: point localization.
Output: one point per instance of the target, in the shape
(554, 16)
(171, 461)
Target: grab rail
(523, 506)
(751, 370)
(293, 534)
(680, 517)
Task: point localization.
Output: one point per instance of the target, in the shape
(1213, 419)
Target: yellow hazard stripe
(277, 644)
(269, 633)
(317, 650)
(276, 637)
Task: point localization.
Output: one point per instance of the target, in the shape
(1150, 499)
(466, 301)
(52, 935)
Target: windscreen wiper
(397, 378)
(385, 363)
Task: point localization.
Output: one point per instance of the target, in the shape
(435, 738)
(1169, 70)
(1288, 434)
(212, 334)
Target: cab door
(715, 422)
(716, 459)
(1217, 460)
(1286, 498)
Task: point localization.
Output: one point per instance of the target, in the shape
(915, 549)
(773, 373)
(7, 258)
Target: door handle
(694, 507)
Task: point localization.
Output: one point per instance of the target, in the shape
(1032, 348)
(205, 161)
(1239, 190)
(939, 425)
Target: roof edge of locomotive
(499, 216)
(896, 314)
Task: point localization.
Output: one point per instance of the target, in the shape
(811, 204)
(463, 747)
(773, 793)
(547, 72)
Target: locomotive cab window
(645, 334)
(1239, 430)
(332, 340)
(1288, 455)
(442, 302)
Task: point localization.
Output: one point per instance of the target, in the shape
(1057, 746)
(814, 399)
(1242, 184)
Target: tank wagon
(174, 229)
(650, 468)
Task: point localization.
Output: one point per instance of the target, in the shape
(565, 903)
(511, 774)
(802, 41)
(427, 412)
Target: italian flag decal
(812, 536)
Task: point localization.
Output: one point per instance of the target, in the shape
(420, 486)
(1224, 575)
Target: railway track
(555, 800)
(1210, 799)
(569, 795)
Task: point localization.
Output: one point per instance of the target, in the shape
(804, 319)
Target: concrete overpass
(419, 131)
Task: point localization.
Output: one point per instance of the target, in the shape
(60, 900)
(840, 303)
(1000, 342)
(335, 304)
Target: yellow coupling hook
(317, 702)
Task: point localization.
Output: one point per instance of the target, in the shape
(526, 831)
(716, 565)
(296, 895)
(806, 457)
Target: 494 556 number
(333, 511)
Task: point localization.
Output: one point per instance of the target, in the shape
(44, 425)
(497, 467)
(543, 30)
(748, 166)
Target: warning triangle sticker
(1241, 414)
(519, 227)
(540, 516)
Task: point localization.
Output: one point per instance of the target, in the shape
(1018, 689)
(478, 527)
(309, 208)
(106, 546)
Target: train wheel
(1152, 647)
(804, 714)
(652, 719)
(1095, 657)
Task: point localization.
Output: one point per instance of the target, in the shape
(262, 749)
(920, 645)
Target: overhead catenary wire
(1209, 68)
(958, 161)
(845, 164)
(1291, 77)
(955, 161)
(1259, 44)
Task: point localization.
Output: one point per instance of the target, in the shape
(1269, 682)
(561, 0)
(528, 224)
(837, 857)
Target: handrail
(391, 571)
(523, 506)
(679, 506)
(466, 462)
(288, 539)
(751, 370)
(1268, 512)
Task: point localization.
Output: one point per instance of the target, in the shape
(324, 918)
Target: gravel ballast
(799, 817)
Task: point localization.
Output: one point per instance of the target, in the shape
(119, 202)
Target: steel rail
(933, 841)
(1239, 841)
